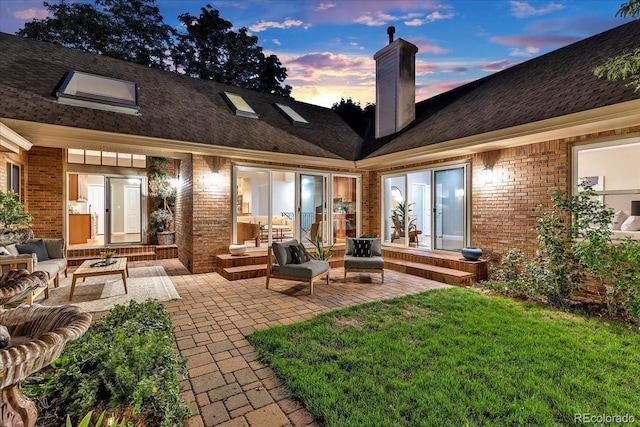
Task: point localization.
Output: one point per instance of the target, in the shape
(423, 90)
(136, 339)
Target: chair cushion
(376, 245)
(361, 248)
(363, 263)
(55, 248)
(306, 270)
(34, 247)
(281, 251)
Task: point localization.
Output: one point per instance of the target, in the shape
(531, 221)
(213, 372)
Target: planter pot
(166, 237)
(237, 249)
(471, 254)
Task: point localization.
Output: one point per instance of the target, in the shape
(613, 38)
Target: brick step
(243, 271)
(432, 272)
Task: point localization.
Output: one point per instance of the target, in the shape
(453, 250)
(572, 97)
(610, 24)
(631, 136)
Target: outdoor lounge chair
(281, 265)
(363, 255)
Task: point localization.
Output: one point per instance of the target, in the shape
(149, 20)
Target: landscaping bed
(125, 363)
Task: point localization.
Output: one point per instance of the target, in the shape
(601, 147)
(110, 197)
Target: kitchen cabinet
(80, 228)
(78, 187)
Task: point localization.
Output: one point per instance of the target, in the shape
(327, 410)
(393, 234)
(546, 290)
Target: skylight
(291, 114)
(99, 92)
(239, 105)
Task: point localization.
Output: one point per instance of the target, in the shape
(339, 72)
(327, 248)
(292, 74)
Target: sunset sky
(327, 46)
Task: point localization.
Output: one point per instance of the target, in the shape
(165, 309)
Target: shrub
(575, 241)
(125, 360)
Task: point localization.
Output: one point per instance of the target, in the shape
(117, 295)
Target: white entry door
(132, 209)
(96, 203)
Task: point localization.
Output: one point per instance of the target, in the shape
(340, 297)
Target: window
(239, 105)
(106, 158)
(291, 115)
(99, 92)
(13, 178)
(612, 169)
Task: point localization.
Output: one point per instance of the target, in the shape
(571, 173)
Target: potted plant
(399, 215)
(164, 195)
(15, 223)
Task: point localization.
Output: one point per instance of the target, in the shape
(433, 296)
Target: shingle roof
(552, 85)
(172, 106)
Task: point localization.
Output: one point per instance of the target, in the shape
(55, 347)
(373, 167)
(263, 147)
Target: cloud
(414, 23)
(497, 65)
(376, 19)
(535, 41)
(324, 6)
(527, 52)
(31, 13)
(330, 62)
(276, 41)
(522, 9)
(425, 47)
(436, 16)
(287, 23)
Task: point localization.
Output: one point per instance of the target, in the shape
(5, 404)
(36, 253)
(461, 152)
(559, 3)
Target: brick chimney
(395, 85)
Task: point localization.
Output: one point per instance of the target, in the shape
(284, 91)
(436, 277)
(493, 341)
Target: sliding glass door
(425, 209)
(313, 208)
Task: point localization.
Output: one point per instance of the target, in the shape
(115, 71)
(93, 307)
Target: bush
(125, 360)
(575, 242)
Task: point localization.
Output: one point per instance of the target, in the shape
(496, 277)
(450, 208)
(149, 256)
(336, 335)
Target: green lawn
(455, 357)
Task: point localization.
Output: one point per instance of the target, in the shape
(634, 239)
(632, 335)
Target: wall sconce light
(487, 175)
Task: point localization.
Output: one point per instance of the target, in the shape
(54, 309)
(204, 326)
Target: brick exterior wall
(184, 214)
(45, 191)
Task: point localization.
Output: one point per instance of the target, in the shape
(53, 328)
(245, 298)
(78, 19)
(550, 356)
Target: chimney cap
(391, 31)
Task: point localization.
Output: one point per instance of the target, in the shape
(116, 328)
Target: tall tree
(358, 119)
(210, 49)
(626, 66)
(131, 30)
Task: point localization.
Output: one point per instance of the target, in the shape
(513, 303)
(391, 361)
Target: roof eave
(56, 136)
(596, 120)
(12, 141)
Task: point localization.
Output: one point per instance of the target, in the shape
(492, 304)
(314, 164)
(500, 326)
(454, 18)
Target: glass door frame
(327, 227)
(432, 170)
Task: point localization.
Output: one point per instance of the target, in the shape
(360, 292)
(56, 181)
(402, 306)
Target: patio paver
(226, 384)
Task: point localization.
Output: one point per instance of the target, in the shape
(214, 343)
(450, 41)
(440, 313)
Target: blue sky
(327, 46)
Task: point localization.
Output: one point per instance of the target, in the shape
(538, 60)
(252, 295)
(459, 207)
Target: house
(468, 167)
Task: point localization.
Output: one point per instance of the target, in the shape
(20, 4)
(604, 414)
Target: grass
(455, 357)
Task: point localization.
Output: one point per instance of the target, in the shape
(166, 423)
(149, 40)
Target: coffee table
(86, 270)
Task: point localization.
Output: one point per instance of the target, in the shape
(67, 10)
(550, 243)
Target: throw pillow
(618, 218)
(4, 251)
(34, 247)
(362, 248)
(298, 254)
(631, 224)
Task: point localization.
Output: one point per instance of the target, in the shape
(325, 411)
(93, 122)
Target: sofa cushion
(34, 247)
(281, 251)
(618, 218)
(55, 247)
(362, 248)
(12, 249)
(631, 224)
(52, 266)
(4, 251)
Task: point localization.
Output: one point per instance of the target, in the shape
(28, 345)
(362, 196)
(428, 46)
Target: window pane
(75, 156)
(344, 208)
(92, 157)
(15, 178)
(109, 158)
(124, 160)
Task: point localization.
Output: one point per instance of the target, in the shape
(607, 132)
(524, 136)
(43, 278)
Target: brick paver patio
(227, 386)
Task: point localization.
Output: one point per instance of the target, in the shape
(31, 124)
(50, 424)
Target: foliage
(360, 120)
(626, 66)
(164, 195)
(399, 215)
(12, 214)
(575, 243)
(211, 50)
(321, 253)
(124, 360)
(504, 363)
(131, 30)
(86, 421)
